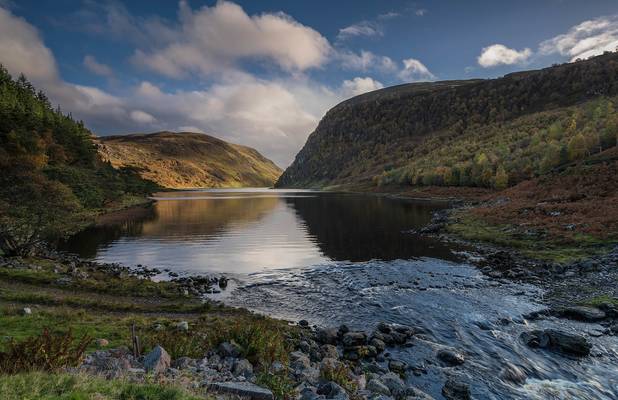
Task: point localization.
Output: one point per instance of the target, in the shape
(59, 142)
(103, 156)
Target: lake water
(343, 258)
(251, 230)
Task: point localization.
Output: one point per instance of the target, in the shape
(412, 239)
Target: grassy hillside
(52, 177)
(482, 133)
(189, 160)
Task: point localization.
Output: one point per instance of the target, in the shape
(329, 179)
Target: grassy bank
(97, 304)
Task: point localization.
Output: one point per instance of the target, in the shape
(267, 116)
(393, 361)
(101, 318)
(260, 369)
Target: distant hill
(189, 160)
(485, 133)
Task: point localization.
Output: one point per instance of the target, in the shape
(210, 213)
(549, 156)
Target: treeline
(52, 176)
(499, 155)
(361, 137)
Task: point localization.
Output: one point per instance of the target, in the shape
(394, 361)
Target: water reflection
(240, 231)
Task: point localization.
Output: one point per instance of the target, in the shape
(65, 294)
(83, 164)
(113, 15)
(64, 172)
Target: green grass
(474, 229)
(39, 386)
(602, 299)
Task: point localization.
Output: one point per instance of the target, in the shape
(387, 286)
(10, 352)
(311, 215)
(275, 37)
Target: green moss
(39, 386)
(474, 229)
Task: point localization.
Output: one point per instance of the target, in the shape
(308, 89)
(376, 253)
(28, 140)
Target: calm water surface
(250, 230)
(343, 258)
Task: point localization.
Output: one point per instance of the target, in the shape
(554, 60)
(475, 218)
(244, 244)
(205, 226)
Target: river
(334, 258)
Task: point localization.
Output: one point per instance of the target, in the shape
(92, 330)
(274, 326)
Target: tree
(501, 180)
(577, 147)
(34, 211)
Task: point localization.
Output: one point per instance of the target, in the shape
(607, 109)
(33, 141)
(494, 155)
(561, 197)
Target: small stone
(242, 389)
(304, 323)
(157, 361)
(102, 342)
(450, 357)
(26, 311)
(182, 326)
(455, 390)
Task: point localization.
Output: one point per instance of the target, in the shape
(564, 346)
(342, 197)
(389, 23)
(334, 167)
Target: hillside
(52, 180)
(189, 160)
(479, 133)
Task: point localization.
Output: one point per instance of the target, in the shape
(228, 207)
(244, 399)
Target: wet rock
(352, 339)
(243, 367)
(343, 329)
(394, 383)
(378, 344)
(329, 351)
(157, 361)
(377, 386)
(450, 357)
(456, 390)
(512, 373)
(327, 336)
(582, 313)
(333, 391)
(227, 349)
(558, 341)
(303, 323)
(412, 393)
(277, 367)
(397, 366)
(242, 389)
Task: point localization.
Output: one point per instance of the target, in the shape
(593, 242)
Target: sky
(263, 73)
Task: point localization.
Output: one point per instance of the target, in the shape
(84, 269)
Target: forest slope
(189, 160)
(483, 133)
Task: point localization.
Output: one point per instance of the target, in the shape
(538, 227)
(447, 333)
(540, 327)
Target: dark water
(340, 258)
(240, 231)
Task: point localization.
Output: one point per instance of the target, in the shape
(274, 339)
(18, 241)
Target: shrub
(46, 352)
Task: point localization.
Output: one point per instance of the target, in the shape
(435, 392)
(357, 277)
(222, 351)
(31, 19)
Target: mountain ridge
(183, 160)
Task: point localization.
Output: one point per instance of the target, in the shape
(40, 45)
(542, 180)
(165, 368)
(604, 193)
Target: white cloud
(359, 85)
(213, 39)
(421, 12)
(189, 128)
(389, 15)
(96, 67)
(415, 71)
(365, 61)
(363, 28)
(589, 38)
(498, 54)
(142, 117)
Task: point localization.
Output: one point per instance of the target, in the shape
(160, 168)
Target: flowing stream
(343, 258)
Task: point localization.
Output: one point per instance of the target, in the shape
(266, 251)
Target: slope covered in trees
(487, 133)
(52, 177)
(189, 160)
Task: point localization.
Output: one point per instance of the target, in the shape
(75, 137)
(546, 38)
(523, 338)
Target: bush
(46, 352)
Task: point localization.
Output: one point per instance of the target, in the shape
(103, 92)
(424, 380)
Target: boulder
(352, 339)
(332, 391)
(242, 367)
(227, 349)
(397, 366)
(377, 386)
(157, 361)
(327, 336)
(455, 390)
(413, 393)
(329, 351)
(242, 389)
(379, 344)
(582, 313)
(394, 383)
(183, 363)
(450, 357)
(558, 341)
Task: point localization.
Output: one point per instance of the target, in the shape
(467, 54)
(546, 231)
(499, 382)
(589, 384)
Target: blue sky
(262, 73)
